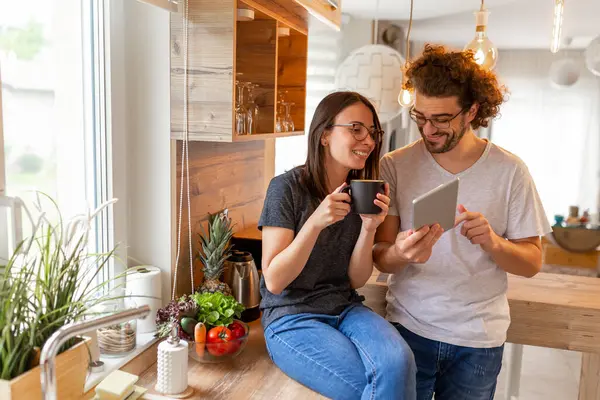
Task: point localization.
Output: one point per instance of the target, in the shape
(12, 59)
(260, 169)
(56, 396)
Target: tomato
(218, 334)
(237, 330)
(220, 349)
(219, 341)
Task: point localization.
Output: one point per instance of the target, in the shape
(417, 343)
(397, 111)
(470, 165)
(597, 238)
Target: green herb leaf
(216, 309)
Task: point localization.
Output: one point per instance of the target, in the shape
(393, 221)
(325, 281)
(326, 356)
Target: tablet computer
(436, 206)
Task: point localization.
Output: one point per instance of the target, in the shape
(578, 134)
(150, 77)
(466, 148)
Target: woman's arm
(361, 261)
(284, 256)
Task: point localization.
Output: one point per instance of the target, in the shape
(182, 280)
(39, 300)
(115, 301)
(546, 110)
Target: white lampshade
(592, 56)
(375, 71)
(564, 73)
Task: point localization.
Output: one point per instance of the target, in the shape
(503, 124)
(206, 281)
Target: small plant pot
(71, 372)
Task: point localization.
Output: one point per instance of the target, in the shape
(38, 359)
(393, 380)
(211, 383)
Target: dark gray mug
(363, 193)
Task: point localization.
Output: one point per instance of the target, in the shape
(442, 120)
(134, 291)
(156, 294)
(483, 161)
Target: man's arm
(393, 250)
(521, 257)
(385, 256)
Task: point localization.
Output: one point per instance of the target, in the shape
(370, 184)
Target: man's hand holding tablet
(433, 214)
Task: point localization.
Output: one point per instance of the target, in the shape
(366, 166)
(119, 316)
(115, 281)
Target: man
(447, 292)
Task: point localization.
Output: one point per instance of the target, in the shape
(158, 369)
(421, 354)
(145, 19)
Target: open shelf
(264, 136)
(291, 73)
(256, 62)
(226, 50)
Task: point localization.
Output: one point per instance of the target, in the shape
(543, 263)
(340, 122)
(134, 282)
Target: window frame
(100, 128)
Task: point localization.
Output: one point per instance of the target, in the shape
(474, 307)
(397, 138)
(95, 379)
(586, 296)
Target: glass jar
(117, 339)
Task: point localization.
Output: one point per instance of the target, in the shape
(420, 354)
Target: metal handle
(69, 331)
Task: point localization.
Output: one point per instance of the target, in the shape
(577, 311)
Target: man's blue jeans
(355, 355)
(453, 372)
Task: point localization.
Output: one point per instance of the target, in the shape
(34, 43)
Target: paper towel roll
(143, 285)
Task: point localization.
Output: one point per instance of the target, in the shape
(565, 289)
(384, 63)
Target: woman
(316, 253)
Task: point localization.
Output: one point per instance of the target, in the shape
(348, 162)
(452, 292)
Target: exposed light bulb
(486, 54)
(559, 7)
(406, 98)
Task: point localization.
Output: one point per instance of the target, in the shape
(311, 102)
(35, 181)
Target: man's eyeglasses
(360, 131)
(440, 122)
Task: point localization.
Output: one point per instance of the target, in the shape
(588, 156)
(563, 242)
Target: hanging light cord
(185, 164)
(376, 35)
(410, 19)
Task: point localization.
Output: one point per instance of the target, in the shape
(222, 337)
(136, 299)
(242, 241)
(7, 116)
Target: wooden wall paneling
(269, 162)
(211, 43)
(292, 60)
(222, 175)
(256, 63)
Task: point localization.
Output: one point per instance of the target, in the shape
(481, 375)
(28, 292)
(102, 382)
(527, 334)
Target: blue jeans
(453, 372)
(355, 355)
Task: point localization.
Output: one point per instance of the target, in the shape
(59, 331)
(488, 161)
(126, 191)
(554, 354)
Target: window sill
(143, 342)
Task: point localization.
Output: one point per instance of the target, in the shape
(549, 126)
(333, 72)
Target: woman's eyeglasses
(440, 123)
(360, 131)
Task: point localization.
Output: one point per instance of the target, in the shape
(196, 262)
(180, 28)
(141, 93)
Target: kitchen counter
(251, 375)
(548, 310)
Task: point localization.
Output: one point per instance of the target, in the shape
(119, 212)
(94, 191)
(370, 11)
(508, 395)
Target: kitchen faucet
(58, 339)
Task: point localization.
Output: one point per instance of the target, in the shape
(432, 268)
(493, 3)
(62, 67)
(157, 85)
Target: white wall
(355, 34)
(144, 175)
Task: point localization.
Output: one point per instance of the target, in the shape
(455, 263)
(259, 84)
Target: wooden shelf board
(289, 12)
(263, 136)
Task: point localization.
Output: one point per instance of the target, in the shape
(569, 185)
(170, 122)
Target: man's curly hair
(439, 72)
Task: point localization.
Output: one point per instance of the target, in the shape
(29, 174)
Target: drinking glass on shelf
(241, 113)
(252, 117)
(288, 122)
(280, 125)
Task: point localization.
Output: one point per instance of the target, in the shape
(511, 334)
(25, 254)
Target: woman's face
(341, 145)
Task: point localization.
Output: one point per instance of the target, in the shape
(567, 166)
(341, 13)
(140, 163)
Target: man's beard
(452, 139)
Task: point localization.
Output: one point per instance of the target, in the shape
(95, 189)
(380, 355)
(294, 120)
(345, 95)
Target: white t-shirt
(459, 295)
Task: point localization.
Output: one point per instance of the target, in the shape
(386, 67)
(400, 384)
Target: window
(555, 131)
(53, 105)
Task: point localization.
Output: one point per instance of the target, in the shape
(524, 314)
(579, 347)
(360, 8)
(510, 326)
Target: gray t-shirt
(323, 286)
(459, 295)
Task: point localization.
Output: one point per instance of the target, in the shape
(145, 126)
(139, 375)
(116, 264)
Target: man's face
(441, 122)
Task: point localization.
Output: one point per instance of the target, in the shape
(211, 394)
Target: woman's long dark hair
(314, 175)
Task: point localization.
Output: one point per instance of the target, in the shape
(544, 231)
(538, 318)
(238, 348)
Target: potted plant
(49, 281)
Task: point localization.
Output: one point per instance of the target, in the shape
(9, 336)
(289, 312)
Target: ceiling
(514, 24)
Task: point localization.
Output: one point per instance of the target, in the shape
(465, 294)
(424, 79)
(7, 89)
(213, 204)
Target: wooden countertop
(556, 311)
(549, 310)
(252, 232)
(251, 375)
(579, 292)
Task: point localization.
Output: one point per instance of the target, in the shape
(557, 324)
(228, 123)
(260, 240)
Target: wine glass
(280, 124)
(288, 122)
(241, 113)
(252, 117)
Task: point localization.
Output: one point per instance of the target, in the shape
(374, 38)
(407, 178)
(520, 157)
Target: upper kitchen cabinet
(295, 13)
(246, 63)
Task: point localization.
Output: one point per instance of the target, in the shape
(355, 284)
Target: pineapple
(215, 250)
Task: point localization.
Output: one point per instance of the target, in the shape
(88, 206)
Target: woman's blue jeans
(354, 355)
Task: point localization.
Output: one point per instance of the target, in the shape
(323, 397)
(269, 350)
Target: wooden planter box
(71, 371)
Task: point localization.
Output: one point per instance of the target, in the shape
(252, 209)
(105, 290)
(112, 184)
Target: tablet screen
(436, 206)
